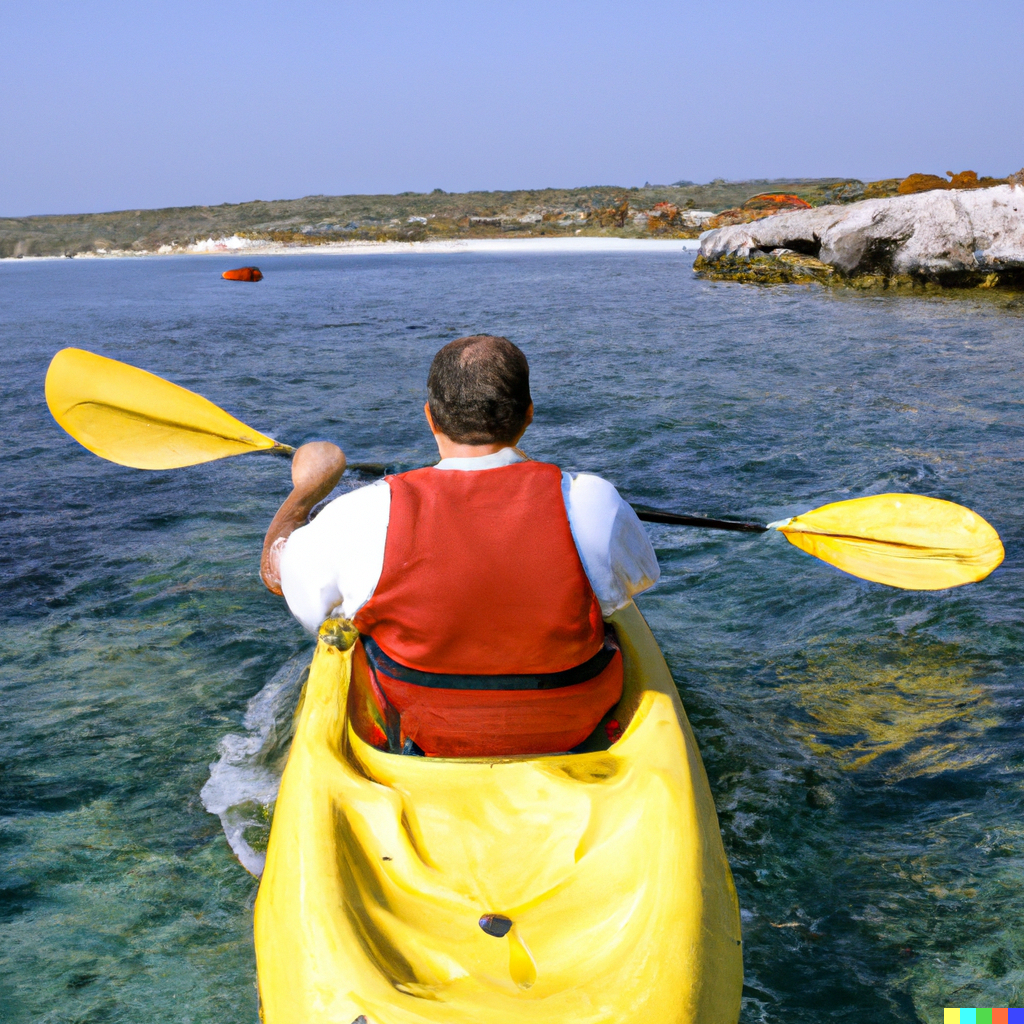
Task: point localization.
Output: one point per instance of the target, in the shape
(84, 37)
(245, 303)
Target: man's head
(478, 391)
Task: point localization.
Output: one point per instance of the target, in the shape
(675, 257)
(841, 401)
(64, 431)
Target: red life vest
(481, 577)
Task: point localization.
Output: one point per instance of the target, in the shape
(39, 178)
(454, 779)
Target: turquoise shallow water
(863, 743)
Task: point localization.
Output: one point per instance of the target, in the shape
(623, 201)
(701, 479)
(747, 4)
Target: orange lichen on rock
(961, 179)
(662, 217)
(965, 179)
(776, 201)
(757, 207)
(243, 274)
(921, 183)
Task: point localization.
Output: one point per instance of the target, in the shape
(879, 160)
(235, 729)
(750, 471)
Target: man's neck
(450, 449)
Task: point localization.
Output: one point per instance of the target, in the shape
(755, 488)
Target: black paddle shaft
(646, 515)
(650, 515)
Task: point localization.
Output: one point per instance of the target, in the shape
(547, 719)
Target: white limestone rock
(928, 234)
(696, 218)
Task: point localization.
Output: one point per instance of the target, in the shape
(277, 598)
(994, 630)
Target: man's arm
(316, 469)
(616, 552)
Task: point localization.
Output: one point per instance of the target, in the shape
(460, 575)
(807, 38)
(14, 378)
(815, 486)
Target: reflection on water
(863, 744)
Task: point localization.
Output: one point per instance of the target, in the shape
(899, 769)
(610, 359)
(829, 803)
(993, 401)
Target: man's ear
(430, 419)
(527, 420)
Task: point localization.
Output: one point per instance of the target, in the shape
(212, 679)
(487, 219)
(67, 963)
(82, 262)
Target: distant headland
(680, 210)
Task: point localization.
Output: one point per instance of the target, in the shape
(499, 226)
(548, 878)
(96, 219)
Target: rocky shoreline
(929, 240)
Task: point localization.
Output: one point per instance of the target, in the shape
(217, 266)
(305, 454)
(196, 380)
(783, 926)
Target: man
(479, 585)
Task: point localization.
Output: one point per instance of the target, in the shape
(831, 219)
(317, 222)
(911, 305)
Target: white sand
(250, 249)
(498, 245)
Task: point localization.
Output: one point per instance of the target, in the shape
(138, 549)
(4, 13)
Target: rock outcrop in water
(938, 238)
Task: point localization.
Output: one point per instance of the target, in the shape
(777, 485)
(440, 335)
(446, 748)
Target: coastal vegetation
(681, 210)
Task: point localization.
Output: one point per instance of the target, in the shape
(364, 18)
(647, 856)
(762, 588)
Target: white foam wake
(244, 780)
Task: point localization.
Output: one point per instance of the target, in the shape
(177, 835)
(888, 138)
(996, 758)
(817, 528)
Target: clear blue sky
(119, 105)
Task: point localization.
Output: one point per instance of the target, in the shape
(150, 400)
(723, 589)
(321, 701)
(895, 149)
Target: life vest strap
(590, 669)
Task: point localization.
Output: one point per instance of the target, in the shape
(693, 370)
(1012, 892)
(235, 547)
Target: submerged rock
(781, 266)
(820, 797)
(945, 238)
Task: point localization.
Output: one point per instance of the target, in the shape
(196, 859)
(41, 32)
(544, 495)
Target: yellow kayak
(586, 888)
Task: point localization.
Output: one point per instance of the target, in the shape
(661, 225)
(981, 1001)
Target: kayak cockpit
(607, 866)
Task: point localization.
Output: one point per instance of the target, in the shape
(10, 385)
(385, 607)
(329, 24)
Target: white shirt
(333, 565)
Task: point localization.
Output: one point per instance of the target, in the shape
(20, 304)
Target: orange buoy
(243, 274)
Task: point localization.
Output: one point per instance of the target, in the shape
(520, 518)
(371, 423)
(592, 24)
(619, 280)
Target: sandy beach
(246, 249)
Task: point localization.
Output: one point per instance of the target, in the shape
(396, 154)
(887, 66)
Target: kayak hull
(609, 864)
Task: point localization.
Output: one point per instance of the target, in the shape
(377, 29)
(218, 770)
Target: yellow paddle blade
(902, 540)
(137, 419)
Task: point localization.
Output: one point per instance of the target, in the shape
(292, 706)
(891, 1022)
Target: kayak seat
(505, 716)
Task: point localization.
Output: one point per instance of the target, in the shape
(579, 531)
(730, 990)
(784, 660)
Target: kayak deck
(609, 864)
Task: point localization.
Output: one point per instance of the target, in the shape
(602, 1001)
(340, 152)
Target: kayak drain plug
(497, 925)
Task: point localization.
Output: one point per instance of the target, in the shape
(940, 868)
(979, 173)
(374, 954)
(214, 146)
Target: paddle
(137, 419)
(903, 540)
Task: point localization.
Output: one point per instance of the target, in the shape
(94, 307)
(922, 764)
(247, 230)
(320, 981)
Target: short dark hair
(478, 389)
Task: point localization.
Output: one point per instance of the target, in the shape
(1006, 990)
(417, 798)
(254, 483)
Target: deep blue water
(863, 743)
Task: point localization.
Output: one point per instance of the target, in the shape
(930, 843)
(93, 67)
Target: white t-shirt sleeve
(334, 563)
(617, 554)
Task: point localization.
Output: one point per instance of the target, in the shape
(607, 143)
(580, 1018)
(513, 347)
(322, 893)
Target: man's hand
(316, 469)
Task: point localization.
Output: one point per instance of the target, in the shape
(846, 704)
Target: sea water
(863, 743)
